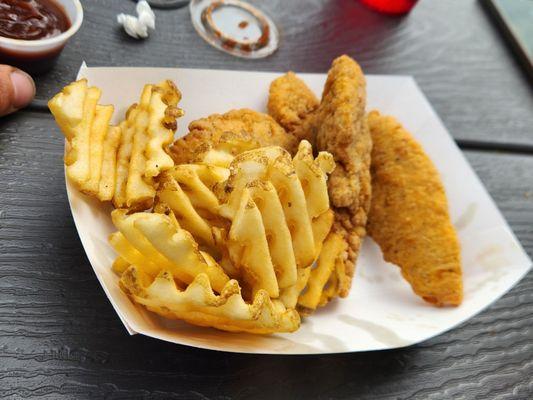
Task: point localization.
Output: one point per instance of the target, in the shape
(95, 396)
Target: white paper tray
(381, 311)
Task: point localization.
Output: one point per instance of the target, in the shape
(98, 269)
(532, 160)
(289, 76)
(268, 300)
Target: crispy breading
(409, 214)
(290, 102)
(246, 129)
(340, 128)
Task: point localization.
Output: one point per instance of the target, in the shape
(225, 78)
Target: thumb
(17, 89)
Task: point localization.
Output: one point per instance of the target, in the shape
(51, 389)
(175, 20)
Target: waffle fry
(187, 190)
(109, 163)
(277, 232)
(78, 130)
(198, 305)
(312, 174)
(154, 243)
(289, 296)
(187, 216)
(120, 265)
(248, 247)
(149, 128)
(140, 191)
(130, 254)
(273, 235)
(117, 163)
(333, 249)
(164, 111)
(199, 182)
(67, 107)
(98, 132)
(90, 157)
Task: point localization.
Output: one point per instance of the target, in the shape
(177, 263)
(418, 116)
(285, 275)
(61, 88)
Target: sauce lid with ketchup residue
(235, 27)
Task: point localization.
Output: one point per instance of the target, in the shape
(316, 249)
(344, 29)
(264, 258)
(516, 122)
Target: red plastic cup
(391, 6)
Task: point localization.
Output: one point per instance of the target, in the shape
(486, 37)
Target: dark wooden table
(61, 339)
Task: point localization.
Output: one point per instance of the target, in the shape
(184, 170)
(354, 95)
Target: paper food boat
(381, 311)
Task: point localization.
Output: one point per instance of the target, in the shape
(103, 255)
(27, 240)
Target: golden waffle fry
(198, 181)
(272, 235)
(140, 192)
(77, 157)
(154, 243)
(123, 158)
(294, 204)
(98, 132)
(67, 107)
(153, 123)
(333, 248)
(91, 142)
(177, 200)
(312, 175)
(275, 165)
(277, 232)
(321, 228)
(163, 112)
(130, 254)
(94, 164)
(248, 247)
(178, 246)
(198, 305)
(188, 191)
(245, 168)
(289, 296)
(109, 163)
(120, 265)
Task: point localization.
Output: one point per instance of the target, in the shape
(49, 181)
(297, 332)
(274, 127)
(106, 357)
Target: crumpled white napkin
(137, 27)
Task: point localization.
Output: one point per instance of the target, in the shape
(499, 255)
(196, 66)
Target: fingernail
(23, 88)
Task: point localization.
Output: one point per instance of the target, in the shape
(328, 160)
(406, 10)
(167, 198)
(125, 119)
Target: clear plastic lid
(235, 27)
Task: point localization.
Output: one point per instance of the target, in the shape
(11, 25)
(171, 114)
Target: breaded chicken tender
(338, 125)
(290, 102)
(235, 131)
(409, 214)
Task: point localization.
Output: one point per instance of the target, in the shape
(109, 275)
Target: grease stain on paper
(466, 217)
(379, 333)
(492, 258)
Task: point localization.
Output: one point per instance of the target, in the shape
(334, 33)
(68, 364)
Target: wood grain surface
(60, 337)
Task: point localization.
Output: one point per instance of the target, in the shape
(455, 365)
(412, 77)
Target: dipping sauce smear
(32, 19)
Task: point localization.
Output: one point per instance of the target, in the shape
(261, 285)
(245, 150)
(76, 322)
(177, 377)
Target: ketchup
(32, 19)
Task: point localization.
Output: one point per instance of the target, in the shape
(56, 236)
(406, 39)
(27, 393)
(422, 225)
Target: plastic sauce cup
(37, 56)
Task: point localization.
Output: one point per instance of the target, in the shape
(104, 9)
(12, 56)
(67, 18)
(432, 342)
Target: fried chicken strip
(338, 125)
(290, 102)
(235, 131)
(409, 214)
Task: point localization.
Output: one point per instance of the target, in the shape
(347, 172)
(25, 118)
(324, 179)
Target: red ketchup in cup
(33, 32)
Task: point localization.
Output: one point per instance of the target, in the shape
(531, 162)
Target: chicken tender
(409, 214)
(236, 131)
(290, 102)
(338, 125)
(341, 128)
